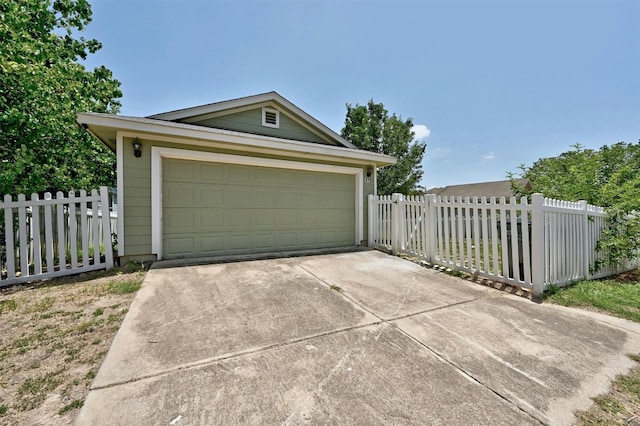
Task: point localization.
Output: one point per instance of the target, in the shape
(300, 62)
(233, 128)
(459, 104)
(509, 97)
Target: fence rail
(529, 245)
(50, 237)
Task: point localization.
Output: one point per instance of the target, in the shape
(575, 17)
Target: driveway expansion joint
(437, 308)
(238, 354)
(461, 370)
(468, 375)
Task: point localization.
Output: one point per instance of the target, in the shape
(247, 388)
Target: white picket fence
(529, 245)
(51, 237)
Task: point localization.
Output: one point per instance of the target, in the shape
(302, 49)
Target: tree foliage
(42, 87)
(609, 177)
(370, 127)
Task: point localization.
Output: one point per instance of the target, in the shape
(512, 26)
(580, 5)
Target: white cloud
(489, 156)
(421, 132)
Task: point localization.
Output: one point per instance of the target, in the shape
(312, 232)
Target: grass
(618, 296)
(125, 287)
(33, 391)
(72, 406)
(8, 305)
(55, 336)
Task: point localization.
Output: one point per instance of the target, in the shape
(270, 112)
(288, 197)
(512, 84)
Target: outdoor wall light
(369, 171)
(137, 148)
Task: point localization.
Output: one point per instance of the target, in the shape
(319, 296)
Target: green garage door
(214, 208)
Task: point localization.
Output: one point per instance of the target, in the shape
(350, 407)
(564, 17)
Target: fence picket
(515, 243)
(73, 231)
(493, 221)
(447, 233)
(48, 233)
(84, 232)
(485, 235)
(453, 236)
(36, 244)
(96, 229)
(61, 232)
(468, 237)
(526, 247)
(477, 235)
(440, 232)
(459, 211)
(551, 254)
(9, 238)
(22, 233)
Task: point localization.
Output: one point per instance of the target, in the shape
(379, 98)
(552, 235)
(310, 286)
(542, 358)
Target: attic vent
(270, 117)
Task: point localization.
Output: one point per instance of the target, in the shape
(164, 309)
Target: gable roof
(501, 188)
(196, 114)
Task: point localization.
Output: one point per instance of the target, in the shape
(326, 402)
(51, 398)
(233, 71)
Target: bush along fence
(50, 237)
(530, 245)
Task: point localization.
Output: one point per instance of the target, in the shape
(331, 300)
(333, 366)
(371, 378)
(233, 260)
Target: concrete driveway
(352, 338)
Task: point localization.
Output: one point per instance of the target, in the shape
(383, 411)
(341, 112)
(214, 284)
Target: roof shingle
(496, 189)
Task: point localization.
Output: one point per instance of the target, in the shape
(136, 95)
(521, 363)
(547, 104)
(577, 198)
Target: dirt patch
(629, 276)
(53, 339)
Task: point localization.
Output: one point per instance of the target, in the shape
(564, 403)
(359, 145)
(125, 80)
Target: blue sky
(497, 83)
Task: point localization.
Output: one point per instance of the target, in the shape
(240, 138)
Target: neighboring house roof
(496, 189)
(199, 115)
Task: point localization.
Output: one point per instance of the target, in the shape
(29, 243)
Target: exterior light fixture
(137, 148)
(369, 171)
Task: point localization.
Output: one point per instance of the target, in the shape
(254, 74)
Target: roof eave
(106, 126)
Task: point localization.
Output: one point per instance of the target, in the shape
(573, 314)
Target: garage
(212, 208)
(248, 175)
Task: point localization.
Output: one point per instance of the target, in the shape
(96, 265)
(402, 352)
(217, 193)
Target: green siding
(251, 122)
(136, 202)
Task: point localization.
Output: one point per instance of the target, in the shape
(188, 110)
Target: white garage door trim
(158, 153)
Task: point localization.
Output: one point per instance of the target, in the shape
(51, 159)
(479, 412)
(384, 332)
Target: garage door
(217, 208)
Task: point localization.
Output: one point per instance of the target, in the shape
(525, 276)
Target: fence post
(106, 227)
(432, 222)
(585, 243)
(537, 246)
(395, 223)
(371, 221)
(402, 222)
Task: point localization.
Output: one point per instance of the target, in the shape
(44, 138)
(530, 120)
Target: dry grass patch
(621, 406)
(54, 337)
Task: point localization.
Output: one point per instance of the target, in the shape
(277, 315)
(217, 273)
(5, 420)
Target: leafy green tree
(42, 87)
(370, 127)
(569, 176)
(609, 177)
